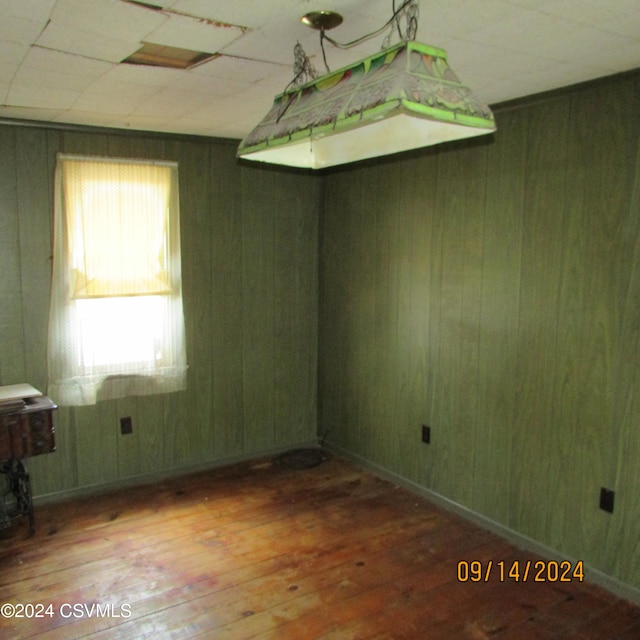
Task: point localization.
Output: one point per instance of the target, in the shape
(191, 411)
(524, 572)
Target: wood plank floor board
(259, 550)
(85, 547)
(286, 566)
(617, 620)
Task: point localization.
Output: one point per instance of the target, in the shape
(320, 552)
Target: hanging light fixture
(403, 97)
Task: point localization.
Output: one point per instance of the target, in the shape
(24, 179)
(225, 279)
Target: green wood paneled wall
(249, 258)
(491, 289)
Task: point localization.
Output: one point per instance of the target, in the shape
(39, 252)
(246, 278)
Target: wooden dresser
(26, 430)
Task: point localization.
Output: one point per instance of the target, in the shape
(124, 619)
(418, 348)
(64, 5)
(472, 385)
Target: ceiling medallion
(322, 20)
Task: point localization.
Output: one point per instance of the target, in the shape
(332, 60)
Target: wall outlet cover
(606, 499)
(126, 425)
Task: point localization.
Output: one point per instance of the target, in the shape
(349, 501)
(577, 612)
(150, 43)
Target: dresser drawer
(8, 424)
(28, 432)
(40, 433)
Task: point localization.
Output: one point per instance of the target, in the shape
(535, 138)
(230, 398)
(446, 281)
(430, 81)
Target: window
(116, 325)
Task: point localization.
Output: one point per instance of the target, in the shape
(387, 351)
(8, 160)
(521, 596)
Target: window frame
(72, 381)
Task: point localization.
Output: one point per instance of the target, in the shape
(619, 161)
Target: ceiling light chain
(303, 70)
(396, 12)
(325, 20)
(411, 11)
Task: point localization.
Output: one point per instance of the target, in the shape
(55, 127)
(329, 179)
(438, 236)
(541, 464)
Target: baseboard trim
(130, 481)
(611, 584)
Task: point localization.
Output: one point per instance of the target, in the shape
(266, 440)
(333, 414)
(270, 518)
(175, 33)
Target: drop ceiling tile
(46, 68)
(257, 46)
(234, 68)
(140, 75)
(276, 45)
(521, 32)
(621, 17)
(550, 37)
(222, 120)
(246, 13)
(579, 43)
(191, 33)
(105, 18)
(537, 80)
(92, 118)
(18, 29)
(541, 5)
(149, 123)
(39, 96)
(29, 113)
(105, 103)
(167, 104)
(206, 115)
(188, 99)
(136, 123)
(207, 86)
(461, 18)
(232, 117)
(262, 93)
(90, 44)
(111, 85)
(623, 57)
(165, 4)
(193, 126)
(11, 55)
(36, 10)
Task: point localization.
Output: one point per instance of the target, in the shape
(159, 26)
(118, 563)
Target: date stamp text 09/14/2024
(520, 571)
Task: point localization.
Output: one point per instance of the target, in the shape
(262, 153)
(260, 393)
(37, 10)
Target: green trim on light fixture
(402, 98)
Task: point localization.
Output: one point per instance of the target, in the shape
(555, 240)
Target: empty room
(319, 320)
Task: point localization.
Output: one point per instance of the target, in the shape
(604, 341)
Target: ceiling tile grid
(62, 60)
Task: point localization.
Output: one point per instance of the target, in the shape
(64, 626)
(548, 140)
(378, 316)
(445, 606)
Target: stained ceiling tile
(193, 33)
(245, 13)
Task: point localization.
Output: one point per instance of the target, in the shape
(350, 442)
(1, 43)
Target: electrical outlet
(426, 434)
(126, 425)
(606, 499)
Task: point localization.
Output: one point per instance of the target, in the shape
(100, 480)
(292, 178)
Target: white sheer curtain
(116, 325)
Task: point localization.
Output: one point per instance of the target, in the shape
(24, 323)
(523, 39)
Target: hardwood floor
(261, 550)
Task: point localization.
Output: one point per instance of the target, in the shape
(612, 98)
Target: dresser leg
(20, 486)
